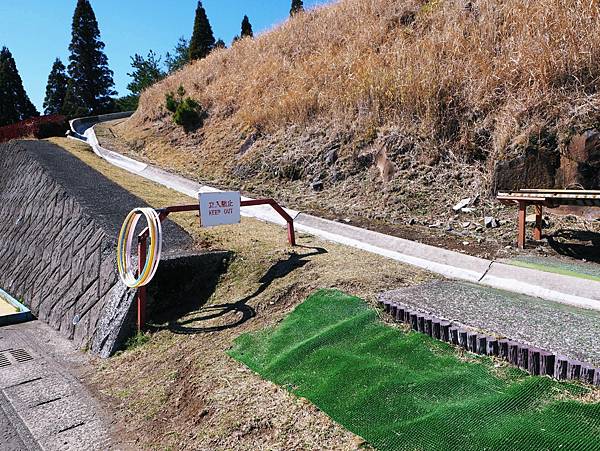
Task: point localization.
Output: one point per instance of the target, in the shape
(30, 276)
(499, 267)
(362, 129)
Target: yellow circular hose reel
(126, 243)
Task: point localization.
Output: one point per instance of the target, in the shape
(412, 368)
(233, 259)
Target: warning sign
(219, 208)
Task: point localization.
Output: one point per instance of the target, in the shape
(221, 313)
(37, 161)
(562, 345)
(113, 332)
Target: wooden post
(521, 224)
(537, 231)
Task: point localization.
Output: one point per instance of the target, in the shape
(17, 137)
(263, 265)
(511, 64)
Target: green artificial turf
(404, 390)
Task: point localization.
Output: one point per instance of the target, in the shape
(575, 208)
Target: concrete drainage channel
(533, 360)
(453, 265)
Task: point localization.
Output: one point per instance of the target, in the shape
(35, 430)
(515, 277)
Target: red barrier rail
(164, 212)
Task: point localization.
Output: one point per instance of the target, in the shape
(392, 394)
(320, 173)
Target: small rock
(479, 229)
(317, 186)
(490, 222)
(466, 210)
(462, 204)
(411, 221)
(331, 157)
(465, 243)
(465, 225)
(336, 175)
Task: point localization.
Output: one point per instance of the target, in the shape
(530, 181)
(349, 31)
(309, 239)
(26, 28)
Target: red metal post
(141, 292)
(164, 212)
(245, 203)
(537, 231)
(291, 233)
(521, 224)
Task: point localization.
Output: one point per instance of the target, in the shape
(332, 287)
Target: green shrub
(186, 111)
(187, 114)
(171, 102)
(139, 339)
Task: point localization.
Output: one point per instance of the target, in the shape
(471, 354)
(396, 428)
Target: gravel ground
(555, 327)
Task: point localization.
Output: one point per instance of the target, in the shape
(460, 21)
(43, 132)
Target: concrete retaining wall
(58, 230)
(56, 258)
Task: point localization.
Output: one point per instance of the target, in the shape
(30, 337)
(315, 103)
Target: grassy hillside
(399, 107)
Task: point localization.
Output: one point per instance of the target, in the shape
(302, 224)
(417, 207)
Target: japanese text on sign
(219, 208)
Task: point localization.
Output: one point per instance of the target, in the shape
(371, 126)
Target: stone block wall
(56, 258)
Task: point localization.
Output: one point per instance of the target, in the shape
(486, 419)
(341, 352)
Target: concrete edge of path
(554, 287)
(454, 265)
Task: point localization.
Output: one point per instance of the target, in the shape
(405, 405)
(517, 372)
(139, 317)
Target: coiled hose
(125, 244)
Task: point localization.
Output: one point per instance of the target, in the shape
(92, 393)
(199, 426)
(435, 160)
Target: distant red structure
(36, 127)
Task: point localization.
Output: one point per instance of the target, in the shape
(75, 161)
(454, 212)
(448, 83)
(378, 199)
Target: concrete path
(43, 405)
(560, 329)
(555, 287)
(14, 435)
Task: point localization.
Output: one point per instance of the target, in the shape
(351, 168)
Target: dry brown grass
(466, 80)
(182, 391)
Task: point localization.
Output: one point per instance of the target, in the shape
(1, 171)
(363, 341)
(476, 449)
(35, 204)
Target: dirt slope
(179, 390)
(389, 111)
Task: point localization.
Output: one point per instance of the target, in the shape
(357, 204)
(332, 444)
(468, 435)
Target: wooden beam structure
(541, 198)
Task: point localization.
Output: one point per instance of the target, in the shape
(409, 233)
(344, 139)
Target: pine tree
(15, 105)
(56, 89)
(146, 72)
(246, 28)
(220, 44)
(88, 68)
(297, 6)
(202, 41)
(72, 106)
(180, 56)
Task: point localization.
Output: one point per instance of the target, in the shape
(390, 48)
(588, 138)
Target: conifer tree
(56, 89)
(203, 40)
(297, 6)
(146, 72)
(88, 67)
(15, 105)
(220, 44)
(72, 106)
(246, 28)
(180, 56)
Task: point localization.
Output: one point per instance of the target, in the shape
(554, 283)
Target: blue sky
(38, 31)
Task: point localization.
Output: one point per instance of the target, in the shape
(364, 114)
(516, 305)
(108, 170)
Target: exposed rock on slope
(447, 91)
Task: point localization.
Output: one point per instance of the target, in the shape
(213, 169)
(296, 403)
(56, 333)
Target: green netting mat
(406, 391)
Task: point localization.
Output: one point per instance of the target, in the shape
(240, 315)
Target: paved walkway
(554, 327)
(43, 405)
(14, 435)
